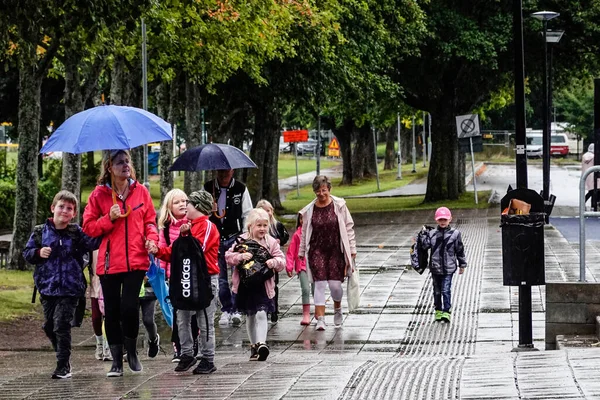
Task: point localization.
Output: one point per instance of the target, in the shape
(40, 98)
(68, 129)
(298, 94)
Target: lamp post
(545, 16)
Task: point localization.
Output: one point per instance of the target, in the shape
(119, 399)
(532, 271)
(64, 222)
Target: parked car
(307, 147)
(534, 147)
(283, 146)
(559, 145)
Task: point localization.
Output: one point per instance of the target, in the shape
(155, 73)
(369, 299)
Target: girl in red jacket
(122, 257)
(171, 218)
(295, 264)
(199, 206)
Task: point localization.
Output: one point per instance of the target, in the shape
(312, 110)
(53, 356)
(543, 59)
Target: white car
(310, 146)
(534, 146)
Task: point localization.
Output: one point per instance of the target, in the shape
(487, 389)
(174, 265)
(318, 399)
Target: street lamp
(545, 16)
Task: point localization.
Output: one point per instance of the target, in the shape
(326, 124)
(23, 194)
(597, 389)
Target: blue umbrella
(108, 128)
(212, 156)
(156, 277)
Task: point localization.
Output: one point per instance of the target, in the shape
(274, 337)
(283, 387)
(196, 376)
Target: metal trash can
(523, 240)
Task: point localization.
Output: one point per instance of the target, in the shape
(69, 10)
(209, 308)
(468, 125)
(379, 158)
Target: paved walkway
(389, 349)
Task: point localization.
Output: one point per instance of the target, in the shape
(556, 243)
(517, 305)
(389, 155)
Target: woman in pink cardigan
(256, 301)
(329, 247)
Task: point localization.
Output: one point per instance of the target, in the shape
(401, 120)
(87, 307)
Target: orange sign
(295, 136)
(334, 148)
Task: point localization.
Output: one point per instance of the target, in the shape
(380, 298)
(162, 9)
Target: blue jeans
(226, 296)
(442, 292)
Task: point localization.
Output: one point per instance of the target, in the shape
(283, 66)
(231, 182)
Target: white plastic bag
(353, 290)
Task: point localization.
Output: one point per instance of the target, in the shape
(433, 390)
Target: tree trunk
(71, 171)
(369, 169)
(461, 172)
(391, 159)
(166, 147)
(272, 129)
(362, 156)
(263, 121)
(344, 137)
(27, 160)
(442, 180)
(117, 81)
(192, 180)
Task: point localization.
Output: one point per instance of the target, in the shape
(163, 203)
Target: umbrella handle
(114, 197)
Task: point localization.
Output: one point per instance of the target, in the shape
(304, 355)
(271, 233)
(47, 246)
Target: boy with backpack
(194, 281)
(447, 251)
(56, 248)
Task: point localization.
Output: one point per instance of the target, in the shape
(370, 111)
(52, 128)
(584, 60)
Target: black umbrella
(212, 156)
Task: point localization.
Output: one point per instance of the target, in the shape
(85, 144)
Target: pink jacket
(293, 262)
(233, 258)
(173, 235)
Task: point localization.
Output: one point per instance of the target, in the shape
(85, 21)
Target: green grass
(15, 295)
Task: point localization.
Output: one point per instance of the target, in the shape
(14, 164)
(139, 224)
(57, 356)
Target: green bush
(7, 199)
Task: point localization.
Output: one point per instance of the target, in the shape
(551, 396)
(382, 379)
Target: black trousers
(121, 302)
(58, 315)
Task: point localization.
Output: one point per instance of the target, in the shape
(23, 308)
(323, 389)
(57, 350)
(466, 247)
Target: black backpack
(189, 285)
(419, 257)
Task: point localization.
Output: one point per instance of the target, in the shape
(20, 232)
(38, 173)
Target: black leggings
(121, 301)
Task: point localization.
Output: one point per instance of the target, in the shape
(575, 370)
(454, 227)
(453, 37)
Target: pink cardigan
(173, 235)
(233, 258)
(293, 262)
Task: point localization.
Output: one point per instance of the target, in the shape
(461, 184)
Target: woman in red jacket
(123, 256)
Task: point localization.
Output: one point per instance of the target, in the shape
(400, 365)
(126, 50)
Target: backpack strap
(166, 233)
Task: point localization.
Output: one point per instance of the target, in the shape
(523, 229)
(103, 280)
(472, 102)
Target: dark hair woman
(120, 210)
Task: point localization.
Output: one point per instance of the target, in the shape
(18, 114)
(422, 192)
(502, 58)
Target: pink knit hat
(442, 213)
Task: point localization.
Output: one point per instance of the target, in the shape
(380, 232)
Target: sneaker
(445, 316)
(225, 318)
(106, 355)
(204, 367)
(186, 362)
(263, 351)
(99, 351)
(62, 372)
(274, 317)
(176, 358)
(153, 346)
(253, 353)
(338, 317)
(438, 315)
(321, 324)
(236, 318)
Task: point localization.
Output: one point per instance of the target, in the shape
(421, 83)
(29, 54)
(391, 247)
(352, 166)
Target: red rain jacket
(123, 241)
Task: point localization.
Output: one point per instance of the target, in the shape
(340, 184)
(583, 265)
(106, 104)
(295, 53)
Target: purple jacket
(62, 273)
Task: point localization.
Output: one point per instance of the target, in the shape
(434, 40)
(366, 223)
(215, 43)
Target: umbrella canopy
(108, 128)
(212, 156)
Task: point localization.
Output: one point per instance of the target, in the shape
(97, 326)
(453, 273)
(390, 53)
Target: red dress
(325, 257)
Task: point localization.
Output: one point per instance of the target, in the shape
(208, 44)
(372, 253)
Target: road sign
(334, 148)
(467, 126)
(464, 144)
(295, 136)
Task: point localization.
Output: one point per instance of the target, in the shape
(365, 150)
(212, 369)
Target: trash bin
(523, 241)
(153, 163)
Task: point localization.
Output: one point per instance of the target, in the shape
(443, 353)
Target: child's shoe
(445, 316)
(263, 351)
(438, 315)
(153, 346)
(253, 353)
(204, 367)
(62, 371)
(186, 362)
(305, 314)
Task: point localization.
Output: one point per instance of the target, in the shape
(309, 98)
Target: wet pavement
(390, 348)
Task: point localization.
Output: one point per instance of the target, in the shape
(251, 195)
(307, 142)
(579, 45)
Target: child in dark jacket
(447, 251)
(57, 248)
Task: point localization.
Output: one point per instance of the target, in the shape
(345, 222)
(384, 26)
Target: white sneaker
(236, 318)
(98, 353)
(225, 318)
(321, 324)
(106, 356)
(338, 317)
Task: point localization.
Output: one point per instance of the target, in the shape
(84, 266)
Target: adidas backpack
(419, 257)
(189, 285)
